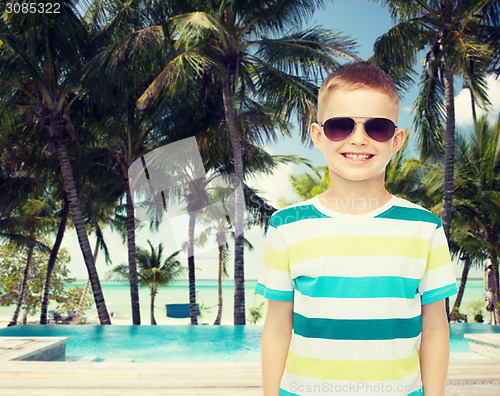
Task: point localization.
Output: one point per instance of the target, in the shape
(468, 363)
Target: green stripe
(359, 287)
(357, 329)
(272, 294)
(295, 213)
(411, 214)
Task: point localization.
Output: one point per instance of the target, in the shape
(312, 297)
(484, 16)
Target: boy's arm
(434, 348)
(276, 336)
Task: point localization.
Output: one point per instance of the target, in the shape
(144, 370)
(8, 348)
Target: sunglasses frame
(360, 122)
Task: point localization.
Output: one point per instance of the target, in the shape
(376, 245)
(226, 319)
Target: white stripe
(439, 239)
(275, 240)
(356, 308)
(360, 350)
(274, 279)
(355, 266)
(436, 278)
(311, 386)
(319, 228)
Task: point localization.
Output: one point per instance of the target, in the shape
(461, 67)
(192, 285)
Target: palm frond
(395, 52)
(275, 15)
(258, 207)
(312, 52)
(404, 9)
(28, 62)
(174, 76)
(191, 29)
(430, 115)
(288, 94)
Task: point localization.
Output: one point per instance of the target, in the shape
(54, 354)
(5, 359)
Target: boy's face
(360, 105)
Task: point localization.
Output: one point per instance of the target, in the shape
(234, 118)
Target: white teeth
(357, 156)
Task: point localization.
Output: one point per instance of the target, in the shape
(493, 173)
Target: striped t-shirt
(357, 283)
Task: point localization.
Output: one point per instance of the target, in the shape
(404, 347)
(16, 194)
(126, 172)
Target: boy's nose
(358, 136)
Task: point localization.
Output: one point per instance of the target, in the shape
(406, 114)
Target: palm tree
(196, 197)
(153, 270)
(25, 229)
(454, 33)
(52, 260)
(46, 55)
(237, 42)
(308, 186)
(16, 184)
(477, 197)
(130, 34)
(99, 243)
(21, 180)
(218, 226)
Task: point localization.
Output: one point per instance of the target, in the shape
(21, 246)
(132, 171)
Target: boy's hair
(354, 76)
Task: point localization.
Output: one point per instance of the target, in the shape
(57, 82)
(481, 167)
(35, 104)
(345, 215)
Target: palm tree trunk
(473, 102)
(239, 270)
(495, 277)
(132, 263)
(191, 269)
(494, 260)
(25, 314)
(52, 261)
(449, 157)
(473, 106)
(22, 291)
(74, 201)
(83, 299)
(463, 281)
(219, 284)
(153, 295)
(81, 305)
(492, 239)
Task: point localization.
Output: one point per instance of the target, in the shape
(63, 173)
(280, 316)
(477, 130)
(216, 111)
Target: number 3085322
(33, 8)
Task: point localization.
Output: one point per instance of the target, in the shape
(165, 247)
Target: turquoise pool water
(182, 343)
(460, 344)
(152, 343)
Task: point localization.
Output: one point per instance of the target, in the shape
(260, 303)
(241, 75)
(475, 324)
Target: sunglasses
(339, 128)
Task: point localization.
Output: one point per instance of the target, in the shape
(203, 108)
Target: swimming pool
(460, 344)
(182, 343)
(152, 343)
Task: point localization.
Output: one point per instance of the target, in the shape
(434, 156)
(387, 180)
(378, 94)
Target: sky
(362, 20)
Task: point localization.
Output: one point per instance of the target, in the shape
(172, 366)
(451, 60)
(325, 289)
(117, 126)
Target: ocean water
(117, 298)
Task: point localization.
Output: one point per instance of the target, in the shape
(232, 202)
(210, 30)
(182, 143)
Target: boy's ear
(397, 142)
(317, 135)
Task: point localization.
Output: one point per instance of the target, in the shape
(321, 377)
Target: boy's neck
(350, 197)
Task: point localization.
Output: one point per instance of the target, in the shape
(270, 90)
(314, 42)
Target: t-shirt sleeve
(275, 282)
(439, 280)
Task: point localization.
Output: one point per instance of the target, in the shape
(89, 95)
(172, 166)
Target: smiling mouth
(358, 157)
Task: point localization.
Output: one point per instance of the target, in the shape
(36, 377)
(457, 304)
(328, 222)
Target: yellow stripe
(437, 258)
(351, 370)
(358, 246)
(275, 259)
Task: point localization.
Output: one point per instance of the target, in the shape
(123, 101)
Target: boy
(355, 277)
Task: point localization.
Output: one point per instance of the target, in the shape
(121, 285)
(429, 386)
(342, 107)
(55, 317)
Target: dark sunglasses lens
(338, 128)
(380, 129)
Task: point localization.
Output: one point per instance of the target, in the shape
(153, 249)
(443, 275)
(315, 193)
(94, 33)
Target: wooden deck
(203, 379)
